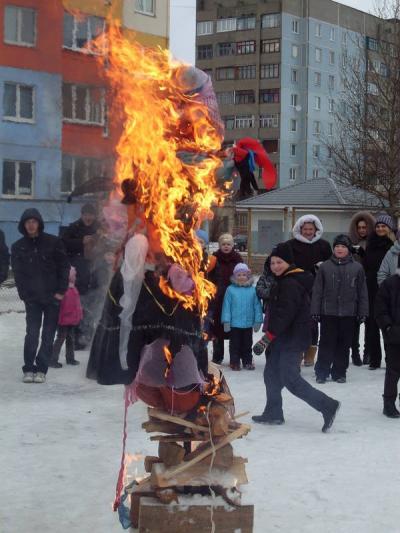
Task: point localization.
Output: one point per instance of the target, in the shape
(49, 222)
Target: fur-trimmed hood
(299, 224)
(249, 282)
(361, 215)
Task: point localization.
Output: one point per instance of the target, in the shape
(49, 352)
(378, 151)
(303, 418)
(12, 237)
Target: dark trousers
(240, 343)
(218, 350)
(355, 343)
(373, 341)
(64, 334)
(392, 374)
(334, 345)
(314, 333)
(282, 369)
(36, 313)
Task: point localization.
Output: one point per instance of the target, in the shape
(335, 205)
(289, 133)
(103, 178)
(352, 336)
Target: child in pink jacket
(70, 316)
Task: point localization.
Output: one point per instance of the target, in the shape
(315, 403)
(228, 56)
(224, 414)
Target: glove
(317, 318)
(227, 327)
(256, 327)
(261, 345)
(361, 319)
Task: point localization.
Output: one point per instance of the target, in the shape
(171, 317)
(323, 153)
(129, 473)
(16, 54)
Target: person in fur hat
(241, 313)
(339, 301)
(309, 251)
(288, 332)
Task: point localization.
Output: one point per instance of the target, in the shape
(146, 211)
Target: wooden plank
(162, 427)
(179, 437)
(154, 517)
(155, 413)
(170, 453)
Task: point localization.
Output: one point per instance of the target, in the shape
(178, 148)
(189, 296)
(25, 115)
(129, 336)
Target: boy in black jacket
(387, 315)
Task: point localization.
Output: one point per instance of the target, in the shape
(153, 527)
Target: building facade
(276, 69)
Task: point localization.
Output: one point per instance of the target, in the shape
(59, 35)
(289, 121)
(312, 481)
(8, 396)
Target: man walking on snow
(41, 269)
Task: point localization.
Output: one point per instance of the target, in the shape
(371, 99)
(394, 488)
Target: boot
(355, 357)
(309, 355)
(329, 415)
(268, 419)
(389, 407)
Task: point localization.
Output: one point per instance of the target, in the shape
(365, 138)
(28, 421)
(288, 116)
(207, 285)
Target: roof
(319, 192)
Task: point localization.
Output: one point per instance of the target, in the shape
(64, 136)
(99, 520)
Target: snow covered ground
(60, 449)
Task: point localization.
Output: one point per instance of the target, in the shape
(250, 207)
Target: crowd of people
(310, 301)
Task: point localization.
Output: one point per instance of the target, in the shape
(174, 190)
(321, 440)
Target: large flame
(160, 120)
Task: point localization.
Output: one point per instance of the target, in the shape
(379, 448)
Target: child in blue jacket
(241, 313)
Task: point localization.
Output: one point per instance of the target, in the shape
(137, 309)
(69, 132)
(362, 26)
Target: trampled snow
(60, 446)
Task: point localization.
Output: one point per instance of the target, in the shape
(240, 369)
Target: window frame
(88, 104)
(239, 118)
(205, 22)
(296, 26)
(248, 47)
(293, 149)
(317, 99)
(318, 55)
(293, 173)
(86, 49)
(19, 41)
(270, 68)
(148, 13)
(271, 92)
(16, 174)
(318, 30)
(293, 125)
(246, 26)
(18, 118)
(203, 47)
(294, 100)
(276, 44)
(273, 17)
(297, 48)
(294, 75)
(220, 24)
(88, 161)
(269, 118)
(317, 78)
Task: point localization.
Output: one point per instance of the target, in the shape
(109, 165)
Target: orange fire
(160, 120)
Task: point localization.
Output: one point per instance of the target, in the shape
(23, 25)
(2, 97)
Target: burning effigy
(151, 334)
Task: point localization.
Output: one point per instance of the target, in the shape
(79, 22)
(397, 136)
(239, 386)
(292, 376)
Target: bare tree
(365, 148)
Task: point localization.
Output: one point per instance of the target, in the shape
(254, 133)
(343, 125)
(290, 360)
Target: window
(18, 178)
(228, 24)
(317, 103)
(269, 121)
(372, 88)
(225, 98)
(225, 73)
(272, 20)
(292, 173)
(372, 44)
(330, 129)
(331, 82)
(294, 76)
(19, 25)
(76, 170)
(293, 125)
(244, 97)
(316, 127)
(329, 152)
(269, 71)
(79, 31)
(318, 55)
(295, 50)
(146, 7)
(246, 23)
(229, 123)
(244, 121)
(293, 150)
(205, 28)
(226, 49)
(331, 105)
(317, 79)
(317, 30)
(383, 70)
(18, 102)
(83, 104)
(205, 51)
(331, 57)
(270, 46)
(246, 72)
(295, 26)
(315, 150)
(344, 38)
(332, 34)
(294, 100)
(315, 173)
(245, 47)
(270, 96)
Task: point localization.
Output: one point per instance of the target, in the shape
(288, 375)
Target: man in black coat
(4, 258)
(41, 270)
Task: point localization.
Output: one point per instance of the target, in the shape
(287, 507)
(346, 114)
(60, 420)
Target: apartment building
(276, 68)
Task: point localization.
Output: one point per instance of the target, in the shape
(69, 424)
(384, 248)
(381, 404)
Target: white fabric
(132, 271)
(300, 223)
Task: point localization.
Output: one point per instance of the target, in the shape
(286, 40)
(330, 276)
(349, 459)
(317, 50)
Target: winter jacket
(387, 309)
(73, 240)
(70, 308)
(374, 254)
(40, 264)
(307, 254)
(4, 258)
(289, 308)
(241, 307)
(340, 289)
(390, 263)
(265, 283)
(370, 221)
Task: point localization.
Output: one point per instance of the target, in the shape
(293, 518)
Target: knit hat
(89, 209)
(385, 219)
(225, 237)
(203, 235)
(284, 251)
(241, 267)
(343, 240)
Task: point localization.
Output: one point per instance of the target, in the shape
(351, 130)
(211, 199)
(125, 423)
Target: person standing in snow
(69, 317)
(221, 265)
(378, 244)
(361, 226)
(309, 251)
(339, 302)
(387, 315)
(288, 332)
(41, 270)
(241, 313)
(4, 258)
